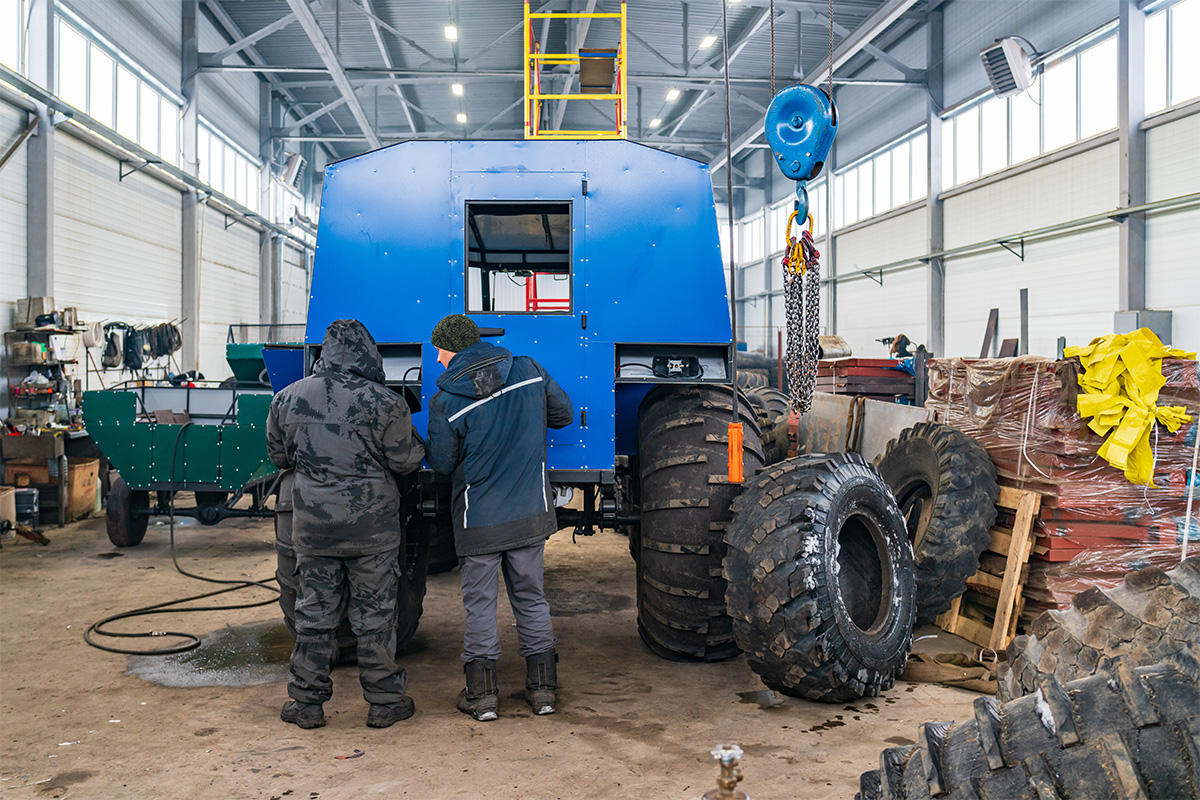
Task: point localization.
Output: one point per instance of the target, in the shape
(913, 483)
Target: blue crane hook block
(800, 126)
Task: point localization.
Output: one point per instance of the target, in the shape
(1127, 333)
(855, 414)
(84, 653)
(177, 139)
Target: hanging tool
(801, 123)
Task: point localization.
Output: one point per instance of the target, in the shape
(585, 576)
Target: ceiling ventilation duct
(1009, 66)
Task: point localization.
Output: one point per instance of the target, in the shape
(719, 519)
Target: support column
(268, 245)
(191, 255)
(1131, 111)
(935, 280)
(39, 236)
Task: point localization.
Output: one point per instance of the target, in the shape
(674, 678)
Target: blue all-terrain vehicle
(601, 260)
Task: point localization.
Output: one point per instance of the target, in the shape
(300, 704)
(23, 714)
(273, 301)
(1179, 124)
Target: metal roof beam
(312, 28)
(246, 41)
(387, 62)
(887, 13)
(307, 118)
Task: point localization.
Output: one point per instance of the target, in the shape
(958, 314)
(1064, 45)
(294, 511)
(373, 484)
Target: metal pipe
(1036, 233)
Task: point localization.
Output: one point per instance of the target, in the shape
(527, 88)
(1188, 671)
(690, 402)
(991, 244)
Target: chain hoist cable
(735, 473)
(773, 48)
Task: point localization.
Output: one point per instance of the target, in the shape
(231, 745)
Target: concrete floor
(77, 723)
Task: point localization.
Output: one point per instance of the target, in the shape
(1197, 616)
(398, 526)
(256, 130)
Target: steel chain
(801, 297)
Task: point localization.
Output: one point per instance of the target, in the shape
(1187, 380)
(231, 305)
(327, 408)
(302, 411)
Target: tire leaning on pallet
(820, 576)
(685, 496)
(411, 590)
(1148, 616)
(945, 484)
(772, 407)
(1128, 732)
(125, 525)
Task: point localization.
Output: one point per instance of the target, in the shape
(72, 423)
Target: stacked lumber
(1094, 525)
(876, 378)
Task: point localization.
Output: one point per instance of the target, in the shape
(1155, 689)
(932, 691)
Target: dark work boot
(481, 697)
(306, 715)
(541, 679)
(384, 716)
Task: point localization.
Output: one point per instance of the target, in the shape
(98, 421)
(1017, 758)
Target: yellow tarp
(1122, 376)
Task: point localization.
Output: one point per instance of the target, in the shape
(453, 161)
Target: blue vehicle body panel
(646, 263)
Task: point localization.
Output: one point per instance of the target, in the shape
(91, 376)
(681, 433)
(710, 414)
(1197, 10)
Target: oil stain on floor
(232, 656)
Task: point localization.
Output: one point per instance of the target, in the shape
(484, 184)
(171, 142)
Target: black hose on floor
(191, 641)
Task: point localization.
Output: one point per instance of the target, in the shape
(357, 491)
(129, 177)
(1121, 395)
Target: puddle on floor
(232, 656)
(764, 698)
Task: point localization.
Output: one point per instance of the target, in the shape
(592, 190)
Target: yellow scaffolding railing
(534, 60)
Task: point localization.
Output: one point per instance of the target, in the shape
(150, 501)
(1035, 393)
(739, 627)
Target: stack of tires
(1101, 699)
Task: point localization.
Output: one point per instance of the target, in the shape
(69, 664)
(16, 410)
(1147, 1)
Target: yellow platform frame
(533, 61)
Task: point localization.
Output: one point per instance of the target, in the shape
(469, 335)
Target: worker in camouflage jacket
(487, 429)
(346, 435)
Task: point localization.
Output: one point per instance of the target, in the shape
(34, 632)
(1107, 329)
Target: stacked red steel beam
(1094, 525)
(875, 378)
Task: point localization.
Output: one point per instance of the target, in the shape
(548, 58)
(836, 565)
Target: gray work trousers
(369, 584)
(480, 589)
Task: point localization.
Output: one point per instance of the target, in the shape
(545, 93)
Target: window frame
(571, 272)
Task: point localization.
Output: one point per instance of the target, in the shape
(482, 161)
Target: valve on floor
(730, 758)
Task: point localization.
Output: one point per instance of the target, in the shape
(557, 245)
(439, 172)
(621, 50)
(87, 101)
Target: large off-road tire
(1150, 615)
(945, 484)
(685, 494)
(1129, 732)
(123, 519)
(440, 532)
(772, 407)
(820, 577)
(750, 378)
(411, 592)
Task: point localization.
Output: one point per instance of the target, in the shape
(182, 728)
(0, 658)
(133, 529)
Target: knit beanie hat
(454, 333)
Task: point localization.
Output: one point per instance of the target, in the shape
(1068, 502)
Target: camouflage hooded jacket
(344, 433)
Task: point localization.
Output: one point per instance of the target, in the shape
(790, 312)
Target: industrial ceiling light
(462, 118)
(451, 31)
(672, 95)
(654, 123)
(456, 89)
(708, 41)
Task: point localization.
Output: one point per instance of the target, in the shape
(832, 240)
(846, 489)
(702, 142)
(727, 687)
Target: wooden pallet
(1004, 568)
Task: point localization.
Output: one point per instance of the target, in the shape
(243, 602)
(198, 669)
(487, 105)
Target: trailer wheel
(126, 526)
(1148, 616)
(820, 576)
(685, 496)
(945, 484)
(411, 592)
(1126, 732)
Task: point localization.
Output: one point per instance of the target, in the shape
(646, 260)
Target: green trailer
(244, 345)
(205, 438)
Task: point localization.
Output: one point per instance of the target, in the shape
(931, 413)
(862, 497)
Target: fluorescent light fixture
(654, 123)
(708, 41)
(456, 89)
(452, 31)
(672, 95)
(462, 118)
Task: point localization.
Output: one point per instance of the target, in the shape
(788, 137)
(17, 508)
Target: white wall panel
(1173, 159)
(293, 281)
(228, 288)
(1173, 273)
(884, 242)
(868, 311)
(12, 213)
(1076, 187)
(12, 225)
(116, 243)
(1072, 284)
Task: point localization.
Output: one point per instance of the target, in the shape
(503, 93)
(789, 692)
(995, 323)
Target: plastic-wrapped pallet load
(1095, 525)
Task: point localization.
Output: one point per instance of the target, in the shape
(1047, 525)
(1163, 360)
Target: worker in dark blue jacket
(487, 429)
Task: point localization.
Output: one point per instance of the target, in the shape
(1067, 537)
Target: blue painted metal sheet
(646, 264)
